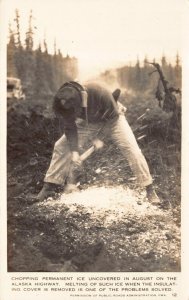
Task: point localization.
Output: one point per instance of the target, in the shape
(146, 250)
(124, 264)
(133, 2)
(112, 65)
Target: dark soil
(58, 235)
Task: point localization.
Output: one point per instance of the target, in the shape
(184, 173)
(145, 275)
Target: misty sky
(105, 33)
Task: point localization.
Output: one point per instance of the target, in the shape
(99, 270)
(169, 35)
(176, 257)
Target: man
(91, 112)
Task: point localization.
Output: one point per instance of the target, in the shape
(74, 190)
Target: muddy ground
(105, 226)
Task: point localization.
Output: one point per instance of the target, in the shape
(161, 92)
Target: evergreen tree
(137, 75)
(55, 49)
(145, 74)
(178, 72)
(164, 66)
(41, 73)
(19, 51)
(40, 83)
(18, 38)
(163, 61)
(170, 74)
(11, 50)
(45, 45)
(29, 34)
(129, 77)
(145, 62)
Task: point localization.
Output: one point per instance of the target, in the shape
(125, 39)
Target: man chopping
(91, 112)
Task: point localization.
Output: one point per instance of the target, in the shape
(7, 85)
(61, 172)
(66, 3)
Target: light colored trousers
(121, 135)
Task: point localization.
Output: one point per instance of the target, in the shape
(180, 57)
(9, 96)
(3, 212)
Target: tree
(164, 66)
(41, 73)
(163, 62)
(137, 75)
(145, 74)
(45, 45)
(178, 72)
(55, 49)
(17, 20)
(11, 49)
(29, 34)
(40, 82)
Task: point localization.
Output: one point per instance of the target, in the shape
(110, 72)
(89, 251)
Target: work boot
(151, 195)
(47, 191)
(69, 188)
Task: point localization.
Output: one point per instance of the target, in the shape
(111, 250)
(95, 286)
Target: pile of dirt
(97, 229)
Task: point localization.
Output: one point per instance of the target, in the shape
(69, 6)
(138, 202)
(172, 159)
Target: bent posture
(90, 112)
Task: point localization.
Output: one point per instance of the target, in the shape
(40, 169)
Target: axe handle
(87, 153)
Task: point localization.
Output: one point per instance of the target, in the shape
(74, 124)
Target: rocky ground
(107, 225)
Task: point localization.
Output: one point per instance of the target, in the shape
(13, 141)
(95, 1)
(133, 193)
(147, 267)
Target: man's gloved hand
(76, 158)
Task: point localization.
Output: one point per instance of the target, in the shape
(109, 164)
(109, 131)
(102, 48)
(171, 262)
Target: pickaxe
(71, 184)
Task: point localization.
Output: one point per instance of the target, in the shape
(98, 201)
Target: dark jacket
(101, 107)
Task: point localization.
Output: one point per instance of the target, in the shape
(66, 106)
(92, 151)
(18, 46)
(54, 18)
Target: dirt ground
(105, 226)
